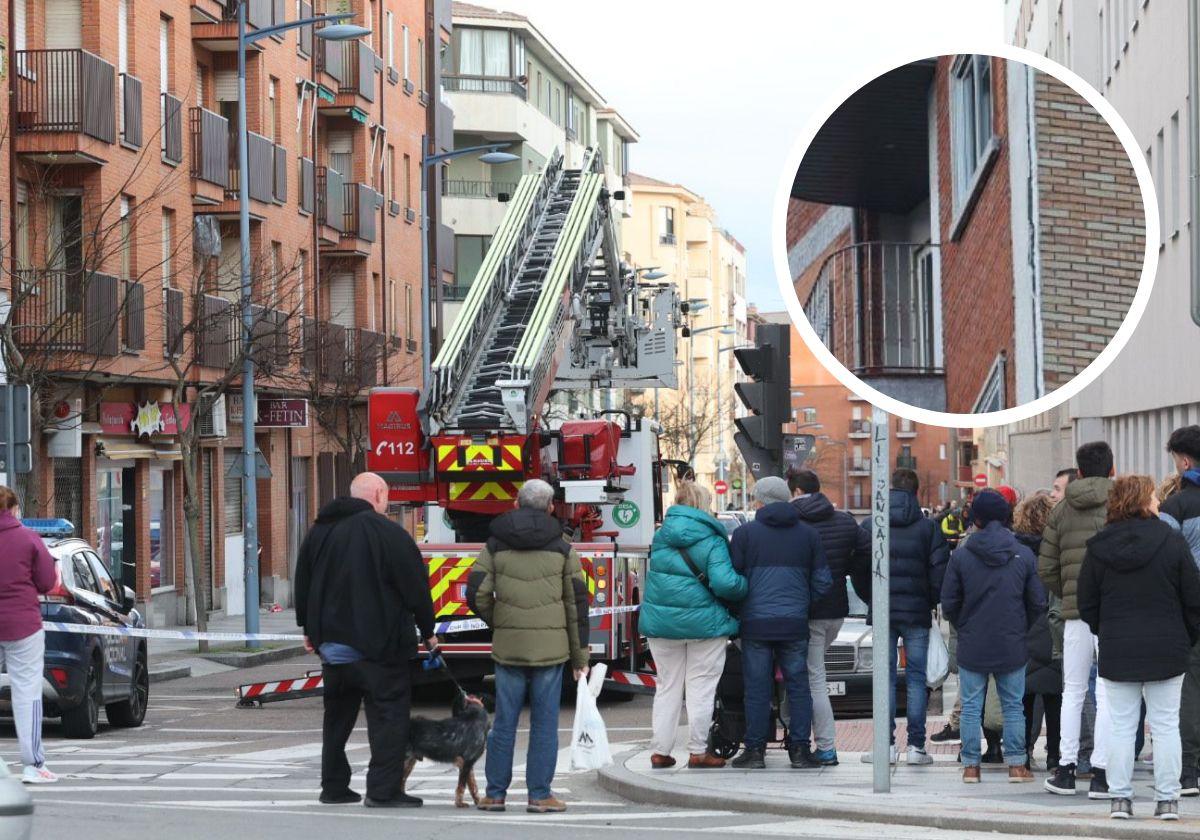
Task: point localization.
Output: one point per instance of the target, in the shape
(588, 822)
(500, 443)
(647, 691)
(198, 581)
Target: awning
(168, 453)
(117, 449)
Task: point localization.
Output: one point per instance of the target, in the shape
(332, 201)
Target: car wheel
(83, 721)
(131, 712)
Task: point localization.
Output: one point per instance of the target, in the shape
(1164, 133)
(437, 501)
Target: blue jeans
(916, 651)
(544, 689)
(1011, 686)
(758, 678)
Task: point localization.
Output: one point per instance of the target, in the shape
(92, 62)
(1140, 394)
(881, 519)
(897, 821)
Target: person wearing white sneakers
(26, 570)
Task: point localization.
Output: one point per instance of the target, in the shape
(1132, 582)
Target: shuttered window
(164, 54)
(19, 17)
(341, 299)
(64, 25)
(233, 492)
(226, 86)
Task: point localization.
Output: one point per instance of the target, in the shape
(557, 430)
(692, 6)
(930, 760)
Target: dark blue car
(87, 671)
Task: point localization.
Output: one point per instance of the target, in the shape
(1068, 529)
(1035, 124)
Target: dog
(459, 740)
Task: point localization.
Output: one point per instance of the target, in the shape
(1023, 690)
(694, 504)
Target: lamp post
(491, 154)
(336, 31)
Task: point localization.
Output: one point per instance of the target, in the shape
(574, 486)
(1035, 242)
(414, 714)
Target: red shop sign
(143, 419)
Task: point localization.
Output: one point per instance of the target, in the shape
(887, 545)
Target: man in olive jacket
(1075, 520)
(528, 586)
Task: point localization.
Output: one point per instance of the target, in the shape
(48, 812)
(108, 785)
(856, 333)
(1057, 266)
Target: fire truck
(552, 311)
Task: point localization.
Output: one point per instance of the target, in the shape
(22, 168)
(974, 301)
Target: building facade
(1138, 55)
(937, 229)
(124, 273)
(675, 231)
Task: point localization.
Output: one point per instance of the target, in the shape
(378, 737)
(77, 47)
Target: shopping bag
(589, 738)
(937, 663)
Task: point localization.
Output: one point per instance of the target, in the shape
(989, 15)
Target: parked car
(87, 671)
(849, 662)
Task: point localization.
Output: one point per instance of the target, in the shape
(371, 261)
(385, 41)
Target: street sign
(796, 449)
(262, 469)
(721, 487)
(16, 455)
(981, 480)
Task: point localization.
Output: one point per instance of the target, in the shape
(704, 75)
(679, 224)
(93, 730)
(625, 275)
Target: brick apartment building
(841, 422)
(966, 233)
(119, 191)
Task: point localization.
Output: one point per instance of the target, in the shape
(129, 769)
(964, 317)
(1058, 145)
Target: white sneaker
(893, 756)
(918, 756)
(38, 775)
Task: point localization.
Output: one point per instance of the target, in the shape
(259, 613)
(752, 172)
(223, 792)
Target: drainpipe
(1194, 150)
(383, 210)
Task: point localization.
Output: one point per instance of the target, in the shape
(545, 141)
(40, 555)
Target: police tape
(441, 628)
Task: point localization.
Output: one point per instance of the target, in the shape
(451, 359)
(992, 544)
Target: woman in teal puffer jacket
(687, 626)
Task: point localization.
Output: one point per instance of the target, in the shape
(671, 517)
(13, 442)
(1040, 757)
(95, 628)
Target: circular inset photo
(966, 235)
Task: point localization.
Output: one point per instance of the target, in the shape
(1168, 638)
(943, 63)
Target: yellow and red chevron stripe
(447, 582)
(484, 491)
(479, 457)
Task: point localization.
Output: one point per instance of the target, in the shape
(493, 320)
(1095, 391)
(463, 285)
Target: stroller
(729, 713)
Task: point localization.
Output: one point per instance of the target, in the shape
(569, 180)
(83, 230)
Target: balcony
(270, 344)
(218, 33)
(131, 110)
(860, 429)
(66, 311)
(215, 332)
(172, 129)
(331, 344)
(279, 179)
(905, 429)
(173, 330)
(260, 168)
(875, 307)
(460, 188)
(210, 148)
(906, 462)
(858, 466)
(362, 204)
(64, 106)
(133, 316)
(486, 84)
(331, 199)
(369, 348)
(666, 239)
(308, 186)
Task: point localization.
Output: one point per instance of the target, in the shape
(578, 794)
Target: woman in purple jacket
(26, 570)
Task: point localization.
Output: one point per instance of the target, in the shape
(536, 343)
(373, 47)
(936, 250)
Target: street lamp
(491, 155)
(337, 31)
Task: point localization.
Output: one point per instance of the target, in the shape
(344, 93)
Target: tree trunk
(191, 515)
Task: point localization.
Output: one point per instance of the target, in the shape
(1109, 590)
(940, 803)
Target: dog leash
(435, 655)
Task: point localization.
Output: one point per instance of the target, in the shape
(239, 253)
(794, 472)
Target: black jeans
(386, 691)
(1052, 708)
(1189, 712)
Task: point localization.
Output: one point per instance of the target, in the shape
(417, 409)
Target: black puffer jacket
(1139, 591)
(919, 554)
(843, 541)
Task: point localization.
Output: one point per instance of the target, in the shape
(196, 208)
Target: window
(666, 225)
(808, 415)
(233, 491)
(421, 64)
(19, 26)
(377, 302)
(482, 52)
(1177, 175)
(970, 122)
(126, 240)
(168, 248)
(164, 55)
(404, 50)
(199, 85)
(302, 280)
(85, 578)
(276, 270)
(22, 220)
(991, 396)
(391, 39)
(104, 581)
(408, 318)
(389, 164)
(272, 122)
(1159, 179)
(407, 183)
(941, 452)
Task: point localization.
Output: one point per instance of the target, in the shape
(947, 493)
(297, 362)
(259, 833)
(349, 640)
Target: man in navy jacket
(992, 596)
(918, 554)
(785, 570)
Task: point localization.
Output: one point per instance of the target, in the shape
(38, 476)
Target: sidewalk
(174, 658)
(932, 796)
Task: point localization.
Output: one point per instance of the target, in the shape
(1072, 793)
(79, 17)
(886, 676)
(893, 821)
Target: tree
(689, 419)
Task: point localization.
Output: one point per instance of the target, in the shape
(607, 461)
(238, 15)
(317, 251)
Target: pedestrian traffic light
(768, 395)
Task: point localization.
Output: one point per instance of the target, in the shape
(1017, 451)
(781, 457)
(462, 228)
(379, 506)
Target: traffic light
(768, 395)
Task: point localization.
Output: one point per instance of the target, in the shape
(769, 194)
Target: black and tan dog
(459, 740)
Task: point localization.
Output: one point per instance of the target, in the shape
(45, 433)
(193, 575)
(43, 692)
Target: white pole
(881, 713)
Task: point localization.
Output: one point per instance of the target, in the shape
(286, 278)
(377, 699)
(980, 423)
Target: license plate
(837, 689)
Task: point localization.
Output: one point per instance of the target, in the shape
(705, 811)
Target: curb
(639, 788)
(170, 672)
(254, 658)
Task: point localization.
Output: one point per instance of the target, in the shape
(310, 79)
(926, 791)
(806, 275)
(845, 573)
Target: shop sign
(143, 419)
(277, 413)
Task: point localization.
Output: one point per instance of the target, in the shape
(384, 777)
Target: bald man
(362, 592)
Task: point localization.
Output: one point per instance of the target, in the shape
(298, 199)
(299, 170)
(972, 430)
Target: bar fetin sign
(281, 413)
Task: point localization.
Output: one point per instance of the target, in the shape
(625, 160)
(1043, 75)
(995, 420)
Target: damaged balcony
(64, 106)
(875, 307)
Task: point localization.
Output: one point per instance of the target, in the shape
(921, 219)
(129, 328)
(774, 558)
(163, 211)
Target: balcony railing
(485, 84)
(859, 465)
(131, 110)
(67, 311)
(173, 309)
(210, 146)
(172, 129)
(279, 181)
(260, 167)
(308, 186)
(460, 188)
(368, 350)
(331, 198)
(358, 77)
(666, 239)
(361, 202)
(860, 427)
(259, 13)
(133, 316)
(874, 307)
(270, 345)
(331, 339)
(65, 91)
(215, 332)
(906, 462)
(331, 59)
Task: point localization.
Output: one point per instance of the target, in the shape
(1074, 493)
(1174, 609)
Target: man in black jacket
(843, 540)
(918, 554)
(361, 589)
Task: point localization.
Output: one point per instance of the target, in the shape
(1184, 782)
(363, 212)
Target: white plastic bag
(937, 663)
(589, 738)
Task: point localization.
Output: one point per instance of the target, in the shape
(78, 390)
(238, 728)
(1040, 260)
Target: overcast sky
(720, 91)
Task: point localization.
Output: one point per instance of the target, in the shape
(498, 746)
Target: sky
(720, 92)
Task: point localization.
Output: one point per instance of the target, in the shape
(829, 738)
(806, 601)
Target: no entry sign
(981, 480)
(721, 487)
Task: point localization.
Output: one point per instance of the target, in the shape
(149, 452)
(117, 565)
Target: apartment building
(950, 242)
(125, 267)
(675, 230)
(507, 83)
(1137, 54)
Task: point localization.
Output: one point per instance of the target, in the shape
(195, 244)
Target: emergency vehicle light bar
(50, 527)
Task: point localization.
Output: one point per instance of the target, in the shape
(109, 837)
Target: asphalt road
(201, 768)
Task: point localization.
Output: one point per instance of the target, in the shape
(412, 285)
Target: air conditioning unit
(213, 422)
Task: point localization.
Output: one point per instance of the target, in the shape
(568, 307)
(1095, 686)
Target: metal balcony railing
(173, 310)
(860, 427)
(210, 146)
(308, 187)
(172, 128)
(216, 332)
(906, 462)
(461, 188)
(279, 179)
(874, 307)
(133, 316)
(131, 110)
(260, 167)
(65, 91)
(259, 13)
(331, 198)
(358, 77)
(485, 84)
(331, 339)
(361, 202)
(68, 311)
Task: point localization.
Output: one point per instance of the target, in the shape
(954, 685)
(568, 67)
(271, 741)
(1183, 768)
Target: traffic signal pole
(881, 713)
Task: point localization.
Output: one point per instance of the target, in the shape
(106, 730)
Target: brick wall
(977, 285)
(1091, 229)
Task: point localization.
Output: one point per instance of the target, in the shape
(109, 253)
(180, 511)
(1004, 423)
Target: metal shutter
(341, 299)
(64, 25)
(226, 85)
